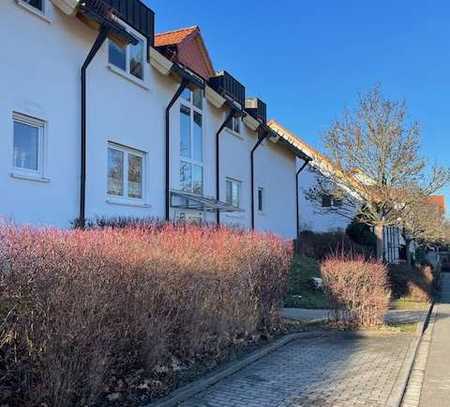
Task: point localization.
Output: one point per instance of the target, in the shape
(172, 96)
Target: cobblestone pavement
(393, 316)
(337, 371)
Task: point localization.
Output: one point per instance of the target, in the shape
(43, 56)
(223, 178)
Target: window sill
(233, 133)
(129, 77)
(29, 177)
(34, 11)
(124, 202)
(230, 216)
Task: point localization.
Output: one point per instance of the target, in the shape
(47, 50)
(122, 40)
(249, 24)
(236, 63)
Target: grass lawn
(301, 292)
(407, 304)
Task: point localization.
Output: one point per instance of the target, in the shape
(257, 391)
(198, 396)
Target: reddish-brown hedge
(357, 290)
(73, 303)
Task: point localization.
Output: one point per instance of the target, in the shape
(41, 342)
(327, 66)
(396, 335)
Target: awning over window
(188, 200)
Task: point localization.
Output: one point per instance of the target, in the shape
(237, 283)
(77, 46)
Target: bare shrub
(414, 283)
(322, 245)
(357, 290)
(75, 304)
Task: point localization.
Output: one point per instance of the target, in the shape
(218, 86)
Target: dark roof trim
(187, 74)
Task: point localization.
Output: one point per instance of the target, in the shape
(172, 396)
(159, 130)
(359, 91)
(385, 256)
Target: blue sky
(308, 59)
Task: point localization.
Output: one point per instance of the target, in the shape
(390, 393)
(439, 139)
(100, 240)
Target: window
(260, 199)
(125, 172)
(235, 124)
(128, 58)
(37, 4)
(28, 145)
(233, 192)
(191, 141)
(328, 201)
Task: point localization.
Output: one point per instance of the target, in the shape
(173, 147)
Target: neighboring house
(315, 216)
(139, 135)
(319, 216)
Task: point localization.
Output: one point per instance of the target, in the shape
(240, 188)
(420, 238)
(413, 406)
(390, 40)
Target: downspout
(261, 138)
(177, 94)
(101, 37)
(297, 197)
(227, 119)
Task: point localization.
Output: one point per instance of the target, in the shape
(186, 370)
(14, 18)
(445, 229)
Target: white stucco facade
(312, 216)
(40, 80)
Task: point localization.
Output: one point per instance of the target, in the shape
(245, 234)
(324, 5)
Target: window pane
(198, 142)
(117, 55)
(115, 172)
(36, 3)
(185, 132)
(228, 197)
(186, 95)
(260, 199)
(197, 179)
(198, 98)
(235, 194)
(134, 176)
(186, 176)
(236, 124)
(137, 60)
(326, 201)
(26, 146)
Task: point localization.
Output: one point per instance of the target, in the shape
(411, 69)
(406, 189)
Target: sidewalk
(310, 315)
(436, 385)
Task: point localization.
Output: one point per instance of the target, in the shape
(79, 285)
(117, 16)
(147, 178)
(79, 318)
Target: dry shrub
(75, 304)
(357, 290)
(322, 245)
(416, 283)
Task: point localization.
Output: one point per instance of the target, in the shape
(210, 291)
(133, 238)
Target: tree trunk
(408, 252)
(380, 241)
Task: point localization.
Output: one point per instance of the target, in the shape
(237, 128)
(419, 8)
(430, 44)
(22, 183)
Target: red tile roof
(439, 201)
(174, 37)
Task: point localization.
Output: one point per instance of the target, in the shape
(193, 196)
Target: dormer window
(128, 58)
(37, 4)
(235, 125)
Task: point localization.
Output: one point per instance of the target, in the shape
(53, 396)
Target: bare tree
(423, 222)
(375, 166)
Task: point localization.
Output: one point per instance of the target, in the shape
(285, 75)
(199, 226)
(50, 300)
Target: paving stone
(339, 371)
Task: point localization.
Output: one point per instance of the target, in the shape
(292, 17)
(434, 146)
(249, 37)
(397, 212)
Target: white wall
(40, 77)
(311, 216)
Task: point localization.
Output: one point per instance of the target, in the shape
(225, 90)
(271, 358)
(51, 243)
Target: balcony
(133, 12)
(224, 84)
(256, 108)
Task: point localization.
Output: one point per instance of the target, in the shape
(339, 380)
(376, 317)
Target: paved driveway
(338, 371)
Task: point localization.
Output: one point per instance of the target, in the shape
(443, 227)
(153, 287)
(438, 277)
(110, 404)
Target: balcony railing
(256, 108)
(133, 12)
(226, 85)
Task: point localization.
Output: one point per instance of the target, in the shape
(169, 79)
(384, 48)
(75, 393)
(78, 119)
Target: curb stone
(399, 389)
(191, 389)
(413, 390)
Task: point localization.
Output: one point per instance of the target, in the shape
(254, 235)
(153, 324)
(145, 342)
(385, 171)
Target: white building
(72, 151)
(319, 217)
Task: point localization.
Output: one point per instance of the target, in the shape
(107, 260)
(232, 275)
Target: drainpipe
(227, 119)
(263, 133)
(177, 94)
(297, 197)
(101, 37)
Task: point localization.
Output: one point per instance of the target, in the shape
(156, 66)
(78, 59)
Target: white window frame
(190, 105)
(41, 125)
(236, 121)
(125, 199)
(43, 14)
(126, 73)
(237, 182)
